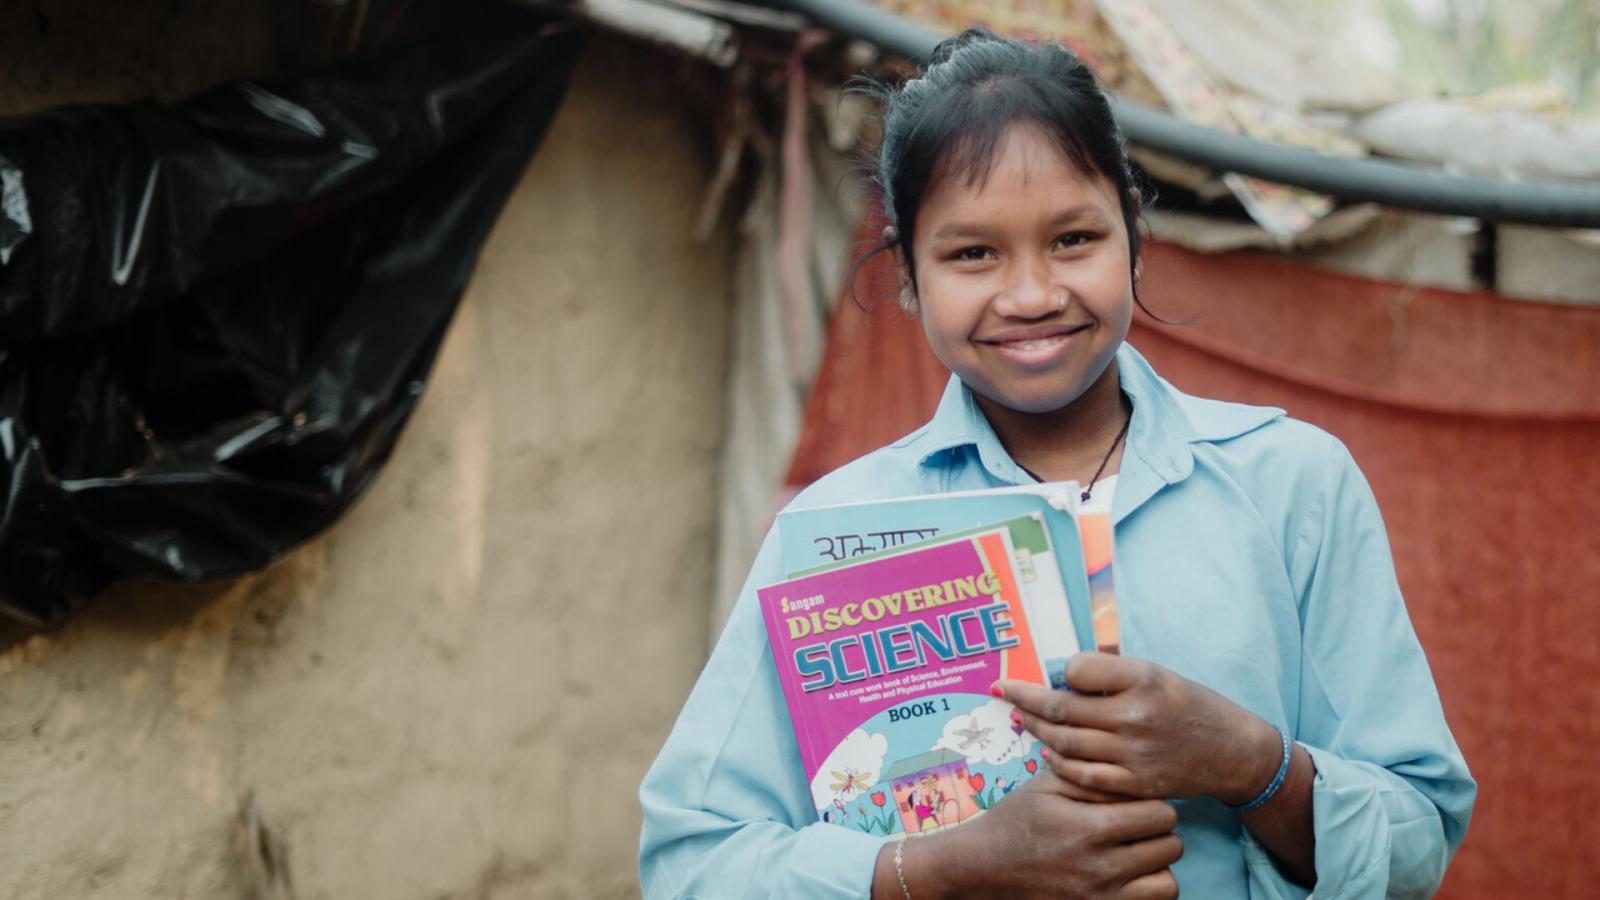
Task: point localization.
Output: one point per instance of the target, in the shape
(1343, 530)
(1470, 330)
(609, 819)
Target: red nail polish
(1044, 753)
(1016, 718)
(995, 691)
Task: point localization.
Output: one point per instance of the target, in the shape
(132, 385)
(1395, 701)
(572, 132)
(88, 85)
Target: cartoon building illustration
(932, 790)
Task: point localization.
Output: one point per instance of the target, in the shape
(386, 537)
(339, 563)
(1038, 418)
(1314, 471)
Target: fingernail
(995, 691)
(1044, 752)
(1016, 718)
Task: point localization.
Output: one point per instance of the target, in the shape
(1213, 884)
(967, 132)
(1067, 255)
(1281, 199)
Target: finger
(1072, 742)
(1154, 854)
(1077, 792)
(1104, 777)
(1136, 820)
(1084, 795)
(1130, 862)
(1048, 781)
(1065, 707)
(1031, 698)
(1104, 673)
(1155, 886)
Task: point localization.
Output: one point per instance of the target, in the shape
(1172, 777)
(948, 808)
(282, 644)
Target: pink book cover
(886, 666)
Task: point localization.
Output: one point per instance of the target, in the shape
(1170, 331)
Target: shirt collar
(959, 424)
(1159, 439)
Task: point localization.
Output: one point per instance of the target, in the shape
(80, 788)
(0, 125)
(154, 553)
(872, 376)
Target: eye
(971, 254)
(1074, 239)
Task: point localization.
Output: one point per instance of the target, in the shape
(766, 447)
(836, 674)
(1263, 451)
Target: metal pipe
(709, 38)
(1368, 179)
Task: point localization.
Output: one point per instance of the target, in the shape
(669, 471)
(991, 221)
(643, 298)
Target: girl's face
(1023, 277)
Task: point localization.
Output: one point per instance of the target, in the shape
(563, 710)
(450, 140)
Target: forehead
(1028, 168)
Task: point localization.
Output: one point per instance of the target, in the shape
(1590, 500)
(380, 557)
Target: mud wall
(455, 692)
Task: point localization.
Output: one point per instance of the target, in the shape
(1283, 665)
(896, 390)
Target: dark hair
(950, 120)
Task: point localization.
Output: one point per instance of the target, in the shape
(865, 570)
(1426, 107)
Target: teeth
(1036, 343)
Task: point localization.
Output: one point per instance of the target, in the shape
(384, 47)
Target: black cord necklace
(1084, 497)
(1104, 461)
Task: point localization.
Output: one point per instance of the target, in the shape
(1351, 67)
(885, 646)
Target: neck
(1069, 443)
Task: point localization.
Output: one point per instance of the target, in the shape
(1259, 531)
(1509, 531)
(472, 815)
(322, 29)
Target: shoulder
(1288, 472)
(1261, 439)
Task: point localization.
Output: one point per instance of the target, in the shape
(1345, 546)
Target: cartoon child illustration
(927, 799)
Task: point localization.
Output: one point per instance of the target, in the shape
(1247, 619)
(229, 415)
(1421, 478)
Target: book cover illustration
(827, 535)
(1044, 596)
(1094, 525)
(886, 666)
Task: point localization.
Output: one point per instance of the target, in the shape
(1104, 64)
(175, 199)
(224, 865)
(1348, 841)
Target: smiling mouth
(1034, 347)
(1033, 343)
(1037, 333)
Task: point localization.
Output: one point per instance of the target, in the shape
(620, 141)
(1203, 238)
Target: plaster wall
(455, 692)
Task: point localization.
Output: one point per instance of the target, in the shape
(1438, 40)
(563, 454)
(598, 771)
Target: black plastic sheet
(216, 316)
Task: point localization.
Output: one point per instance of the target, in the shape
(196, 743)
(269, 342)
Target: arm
(1042, 840)
(1285, 825)
(721, 819)
(1377, 795)
(727, 812)
(1392, 795)
(1132, 728)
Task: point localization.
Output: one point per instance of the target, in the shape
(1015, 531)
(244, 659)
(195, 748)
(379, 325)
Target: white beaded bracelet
(899, 867)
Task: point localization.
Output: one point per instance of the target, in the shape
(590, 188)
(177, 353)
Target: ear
(902, 270)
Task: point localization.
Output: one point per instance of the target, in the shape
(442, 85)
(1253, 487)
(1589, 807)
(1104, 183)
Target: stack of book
(896, 618)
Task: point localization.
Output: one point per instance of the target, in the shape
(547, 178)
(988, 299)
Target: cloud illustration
(986, 735)
(857, 761)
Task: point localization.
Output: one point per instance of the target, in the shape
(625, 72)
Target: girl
(1273, 726)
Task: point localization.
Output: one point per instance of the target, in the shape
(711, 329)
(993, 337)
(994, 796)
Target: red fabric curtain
(1477, 420)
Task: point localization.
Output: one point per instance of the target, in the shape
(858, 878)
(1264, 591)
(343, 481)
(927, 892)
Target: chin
(1028, 399)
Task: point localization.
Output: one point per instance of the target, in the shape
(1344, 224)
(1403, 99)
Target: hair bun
(948, 47)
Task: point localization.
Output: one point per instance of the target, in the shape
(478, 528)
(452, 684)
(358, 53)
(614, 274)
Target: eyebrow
(1065, 217)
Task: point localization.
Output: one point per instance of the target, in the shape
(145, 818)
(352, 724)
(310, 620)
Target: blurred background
(1465, 48)
(393, 393)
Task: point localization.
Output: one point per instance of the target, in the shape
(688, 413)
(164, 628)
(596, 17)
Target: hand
(1133, 728)
(1039, 842)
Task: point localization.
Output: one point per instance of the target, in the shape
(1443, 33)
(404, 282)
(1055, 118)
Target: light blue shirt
(1251, 558)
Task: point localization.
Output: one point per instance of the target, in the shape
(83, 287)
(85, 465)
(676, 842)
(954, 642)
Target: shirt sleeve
(1392, 795)
(727, 810)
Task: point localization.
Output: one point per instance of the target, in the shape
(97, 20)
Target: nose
(1030, 291)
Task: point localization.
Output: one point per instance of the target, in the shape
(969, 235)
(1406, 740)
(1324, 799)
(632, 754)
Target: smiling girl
(1273, 726)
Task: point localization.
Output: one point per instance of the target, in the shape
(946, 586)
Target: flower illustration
(976, 781)
(1031, 765)
(878, 799)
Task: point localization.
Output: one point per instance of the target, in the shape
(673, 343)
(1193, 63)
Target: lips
(1034, 347)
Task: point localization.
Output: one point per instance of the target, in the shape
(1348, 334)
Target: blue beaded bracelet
(1277, 780)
